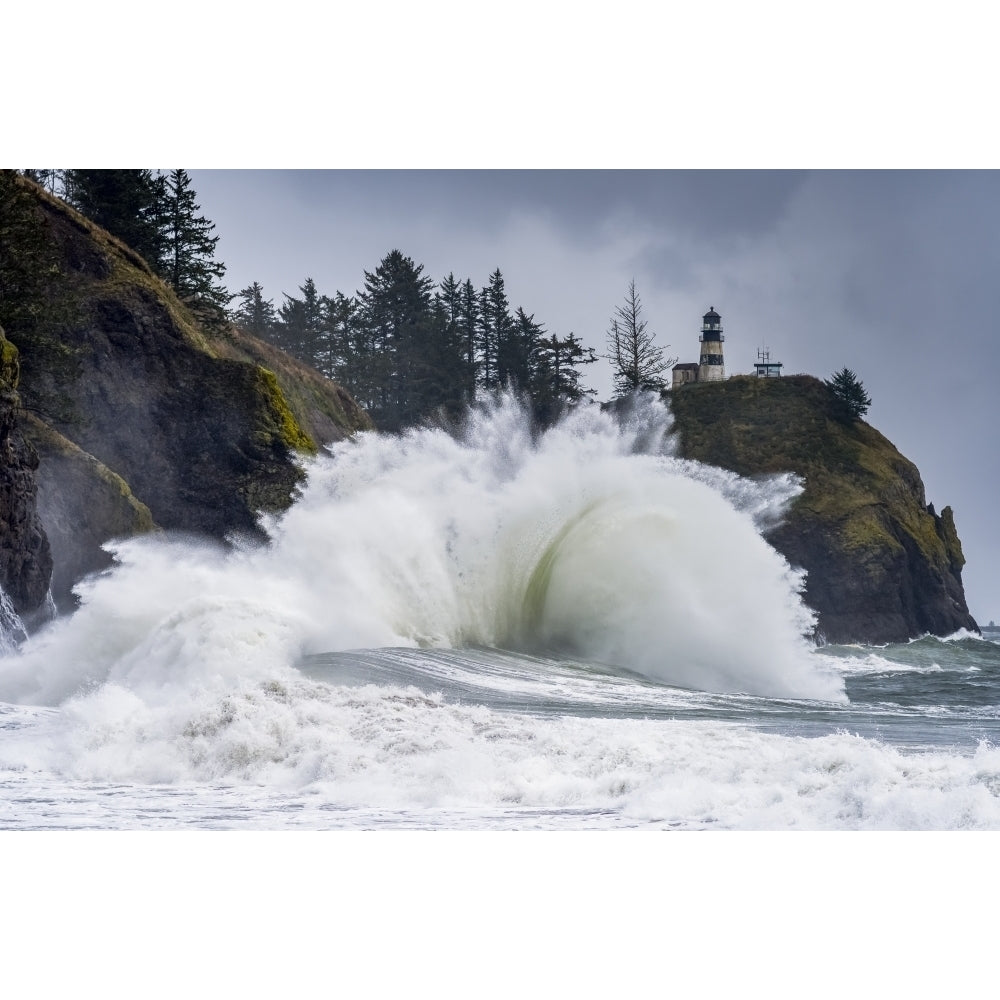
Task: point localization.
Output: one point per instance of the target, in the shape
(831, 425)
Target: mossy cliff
(161, 420)
(882, 565)
(25, 557)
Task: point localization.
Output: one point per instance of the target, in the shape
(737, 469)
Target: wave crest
(590, 536)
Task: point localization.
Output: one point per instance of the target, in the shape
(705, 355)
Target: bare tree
(638, 362)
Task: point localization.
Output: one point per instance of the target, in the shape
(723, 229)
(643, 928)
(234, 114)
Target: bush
(849, 391)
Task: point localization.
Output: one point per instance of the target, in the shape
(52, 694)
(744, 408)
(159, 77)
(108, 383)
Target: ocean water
(491, 629)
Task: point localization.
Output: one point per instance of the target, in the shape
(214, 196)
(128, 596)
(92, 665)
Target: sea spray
(590, 538)
(586, 535)
(12, 630)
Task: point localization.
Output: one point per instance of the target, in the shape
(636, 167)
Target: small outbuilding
(764, 366)
(684, 373)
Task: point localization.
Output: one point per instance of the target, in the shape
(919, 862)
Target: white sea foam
(962, 633)
(872, 663)
(314, 755)
(12, 629)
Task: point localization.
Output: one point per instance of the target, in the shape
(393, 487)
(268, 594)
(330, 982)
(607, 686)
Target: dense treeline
(404, 347)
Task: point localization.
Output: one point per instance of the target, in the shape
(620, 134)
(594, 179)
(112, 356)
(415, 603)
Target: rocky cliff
(150, 419)
(82, 504)
(25, 558)
(882, 565)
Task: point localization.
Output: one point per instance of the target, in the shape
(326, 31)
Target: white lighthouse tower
(710, 366)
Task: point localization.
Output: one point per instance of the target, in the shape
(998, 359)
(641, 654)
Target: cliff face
(82, 504)
(882, 565)
(25, 558)
(161, 422)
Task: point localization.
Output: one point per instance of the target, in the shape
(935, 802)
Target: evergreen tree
(450, 294)
(127, 203)
(395, 311)
(254, 313)
(557, 375)
(565, 356)
(486, 357)
(468, 326)
(517, 352)
(638, 362)
(326, 356)
(447, 336)
(341, 354)
(852, 401)
(301, 323)
(188, 260)
(451, 383)
(495, 326)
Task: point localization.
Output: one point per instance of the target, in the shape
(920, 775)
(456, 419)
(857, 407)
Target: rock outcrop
(161, 421)
(882, 565)
(82, 504)
(25, 557)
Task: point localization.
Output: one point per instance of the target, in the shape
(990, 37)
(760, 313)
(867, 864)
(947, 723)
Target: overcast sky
(892, 274)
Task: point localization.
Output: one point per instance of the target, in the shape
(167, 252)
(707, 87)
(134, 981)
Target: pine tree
(517, 352)
(851, 399)
(127, 203)
(468, 326)
(495, 325)
(638, 362)
(301, 322)
(566, 355)
(342, 345)
(450, 371)
(450, 293)
(254, 313)
(451, 338)
(557, 375)
(395, 311)
(188, 261)
(442, 382)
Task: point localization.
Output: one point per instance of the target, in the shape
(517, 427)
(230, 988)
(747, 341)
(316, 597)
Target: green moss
(10, 364)
(865, 530)
(322, 408)
(291, 434)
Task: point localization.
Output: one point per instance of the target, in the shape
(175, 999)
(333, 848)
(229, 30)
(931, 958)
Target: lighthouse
(710, 366)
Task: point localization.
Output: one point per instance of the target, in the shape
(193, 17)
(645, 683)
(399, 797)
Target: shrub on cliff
(849, 391)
